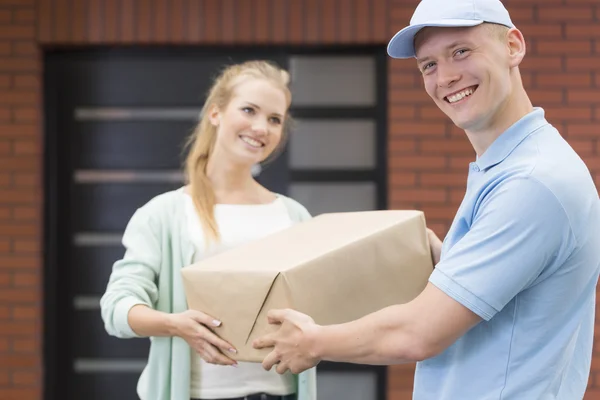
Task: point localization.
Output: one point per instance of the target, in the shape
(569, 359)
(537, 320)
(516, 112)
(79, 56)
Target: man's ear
(516, 46)
(214, 115)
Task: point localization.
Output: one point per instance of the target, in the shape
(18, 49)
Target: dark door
(116, 123)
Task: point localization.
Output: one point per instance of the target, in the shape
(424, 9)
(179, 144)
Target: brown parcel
(335, 267)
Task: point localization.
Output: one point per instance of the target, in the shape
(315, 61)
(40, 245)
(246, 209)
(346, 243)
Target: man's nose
(447, 74)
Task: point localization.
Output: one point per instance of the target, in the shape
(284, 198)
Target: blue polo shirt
(523, 253)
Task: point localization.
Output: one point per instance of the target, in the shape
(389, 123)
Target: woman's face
(251, 125)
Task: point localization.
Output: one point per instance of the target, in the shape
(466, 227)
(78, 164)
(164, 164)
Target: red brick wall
(427, 155)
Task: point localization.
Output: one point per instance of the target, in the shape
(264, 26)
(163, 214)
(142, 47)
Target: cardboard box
(335, 267)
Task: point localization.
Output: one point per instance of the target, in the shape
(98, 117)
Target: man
(508, 312)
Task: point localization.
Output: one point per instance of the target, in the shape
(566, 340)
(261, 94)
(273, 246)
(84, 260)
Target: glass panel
(347, 385)
(333, 144)
(324, 197)
(333, 81)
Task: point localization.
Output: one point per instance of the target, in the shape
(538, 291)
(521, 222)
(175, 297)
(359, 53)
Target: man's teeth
(252, 142)
(461, 95)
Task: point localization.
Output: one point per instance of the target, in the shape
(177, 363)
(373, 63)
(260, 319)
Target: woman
(243, 123)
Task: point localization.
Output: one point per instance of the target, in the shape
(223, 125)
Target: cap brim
(402, 44)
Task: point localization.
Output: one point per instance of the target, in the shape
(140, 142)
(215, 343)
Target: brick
(25, 313)
(13, 360)
(18, 97)
(4, 116)
(404, 80)
(583, 64)
(545, 97)
(565, 13)
(25, 48)
(402, 112)
(18, 130)
(432, 114)
(420, 195)
(4, 346)
(410, 96)
(17, 31)
(26, 147)
(19, 262)
(5, 48)
(25, 114)
(21, 3)
(568, 80)
(583, 96)
(28, 279)
(445, 179)
(402, 146)
(570, 113)
(413, 163)
(4, 245)
(25, 246)
(4, 312)
(19, 394)
(4, 378)
(520, 14)
(5, 212)
(22, 163)
(24, 15)
(402, 179)
(26, 81)
(574, 31)
(26, 214)
(26, 179)
(567, 47)
(5, 79)
(540, 30)
(417, 129)
(18, 229)
(23, 378)
(460, 163)
(5, 147)
(12, 328)
(17, 196)
(541, 63)
(446, 146)
(24, 346)
(5, 179)
(5, 16)
(19, 64)
(583, 147)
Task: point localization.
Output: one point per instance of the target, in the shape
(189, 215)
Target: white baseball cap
(446, 13)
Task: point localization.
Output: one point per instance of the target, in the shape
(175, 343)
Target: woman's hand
(192, 326)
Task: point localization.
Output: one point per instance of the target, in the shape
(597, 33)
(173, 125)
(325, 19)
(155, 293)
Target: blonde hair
(201, 142)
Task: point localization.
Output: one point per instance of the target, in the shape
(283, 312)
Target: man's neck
(515, 109)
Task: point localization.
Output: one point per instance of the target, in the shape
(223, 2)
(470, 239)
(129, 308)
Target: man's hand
(292, 342)
(436, 246)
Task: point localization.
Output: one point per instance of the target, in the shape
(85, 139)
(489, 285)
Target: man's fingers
(276, 316)
(281, 368)
(264, 341)
(271, 359)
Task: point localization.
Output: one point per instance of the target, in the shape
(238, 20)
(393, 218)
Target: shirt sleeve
(133, 278)
(519, 230)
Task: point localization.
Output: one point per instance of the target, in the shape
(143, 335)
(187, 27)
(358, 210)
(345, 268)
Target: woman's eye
(275, 120)
(248, 110)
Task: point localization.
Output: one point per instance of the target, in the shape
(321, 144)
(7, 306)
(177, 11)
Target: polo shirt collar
(511, 138)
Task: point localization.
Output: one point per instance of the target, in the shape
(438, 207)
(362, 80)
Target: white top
(238, 224)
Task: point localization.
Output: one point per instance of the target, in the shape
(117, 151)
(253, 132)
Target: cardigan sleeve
(133, 277)
(297, 211)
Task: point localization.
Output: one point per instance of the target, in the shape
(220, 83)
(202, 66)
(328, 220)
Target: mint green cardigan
(157, 246)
